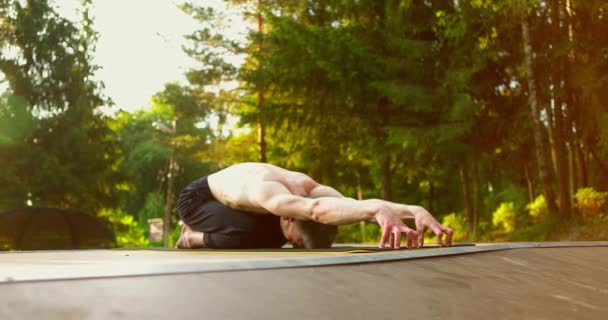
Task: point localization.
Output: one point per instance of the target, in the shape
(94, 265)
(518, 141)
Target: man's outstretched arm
(324, 191)
(424, 220)
(330, 207)
(277, 199)
(404, 211)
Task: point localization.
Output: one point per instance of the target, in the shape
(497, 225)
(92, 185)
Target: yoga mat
(333, 250)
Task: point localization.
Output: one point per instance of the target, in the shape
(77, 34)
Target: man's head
(309, 234)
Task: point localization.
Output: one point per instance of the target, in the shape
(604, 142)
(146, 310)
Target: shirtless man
(258, 205)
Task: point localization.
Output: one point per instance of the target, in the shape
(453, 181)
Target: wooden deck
(526, 281)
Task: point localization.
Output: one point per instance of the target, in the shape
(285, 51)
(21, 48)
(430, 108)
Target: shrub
(538, 209)
(590, 201)
(509, 193)
(514, 194)
(504, 217)
(154, 207)
(128, 232)
(458, 223)
(455, 221)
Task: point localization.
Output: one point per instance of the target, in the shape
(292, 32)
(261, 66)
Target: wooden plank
(540, 283)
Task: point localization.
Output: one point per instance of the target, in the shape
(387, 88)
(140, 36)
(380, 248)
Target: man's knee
(186, 204)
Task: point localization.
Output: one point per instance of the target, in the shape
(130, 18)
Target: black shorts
(225, 227)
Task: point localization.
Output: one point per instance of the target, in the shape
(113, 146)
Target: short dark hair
(315, 234)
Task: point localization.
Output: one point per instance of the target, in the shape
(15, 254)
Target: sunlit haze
(140, 45)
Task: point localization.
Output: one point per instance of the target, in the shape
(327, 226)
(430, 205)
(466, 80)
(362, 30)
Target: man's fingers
(385, 235)
(439, 240)
(448, 235)
(412, 236)
(397, 237)
(410, 239)
(439, 234)
(421, 236)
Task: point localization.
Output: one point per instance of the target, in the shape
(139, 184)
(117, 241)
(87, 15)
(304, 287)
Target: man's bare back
(235, 185)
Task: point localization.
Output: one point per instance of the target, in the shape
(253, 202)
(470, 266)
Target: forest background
(492, 114)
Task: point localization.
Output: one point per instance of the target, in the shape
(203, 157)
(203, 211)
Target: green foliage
(590, 201)
(154, 207)
(510, 193)
(15, 121)
(57, 149)
(514, 194)
(458, 223)
(538, 209)
(129, 233)
(379, 98)
(504, 217)
(174, 234)
(179, 101)
(354, 233)
(234, 149)
(146, 150)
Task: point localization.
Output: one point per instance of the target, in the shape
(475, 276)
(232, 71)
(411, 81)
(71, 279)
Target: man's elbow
(319, 212)
(272, 205)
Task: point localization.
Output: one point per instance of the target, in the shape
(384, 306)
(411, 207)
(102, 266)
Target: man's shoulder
(239, 174)
(246, 166)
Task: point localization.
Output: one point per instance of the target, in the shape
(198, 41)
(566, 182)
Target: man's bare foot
(183, 242)
(190, 239)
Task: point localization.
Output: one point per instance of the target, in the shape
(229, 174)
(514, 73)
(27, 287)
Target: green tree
(65, 158)
(147, 151)
(447, 104)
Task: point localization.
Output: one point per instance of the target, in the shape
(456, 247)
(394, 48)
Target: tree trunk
(261, 137)
(571, 176)
(476, 196)
(531, 195)
(573, 140)
(362, 227)
(387, 178)
(561, 162)
(170, 183)
(466, 202)
(550, 133)
(582, 162)
(384, 153)
(261, 100)
(537, 124)
(580, 176)
(431, 196)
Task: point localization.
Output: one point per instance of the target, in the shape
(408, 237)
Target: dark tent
(52, 229)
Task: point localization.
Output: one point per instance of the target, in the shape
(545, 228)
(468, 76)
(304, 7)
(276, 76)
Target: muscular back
(236, 185)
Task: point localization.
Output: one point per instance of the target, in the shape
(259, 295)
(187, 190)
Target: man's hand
(425, 221)
(393, 228)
